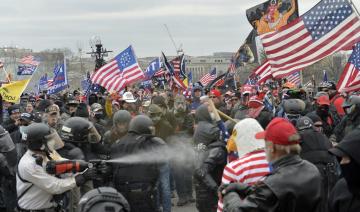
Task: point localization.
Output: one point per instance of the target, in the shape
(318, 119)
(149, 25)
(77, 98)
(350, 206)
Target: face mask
(323, 111)
(351, 173)
(98, 116)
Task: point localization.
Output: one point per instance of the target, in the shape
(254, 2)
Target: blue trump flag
(26, 69)
(153, 67)
(60, 81)
(43, 83)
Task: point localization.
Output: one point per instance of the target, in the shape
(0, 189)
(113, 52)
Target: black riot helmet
(141, 124)
(103, 199)
(121, 117)
(79, 130)
(40, 137)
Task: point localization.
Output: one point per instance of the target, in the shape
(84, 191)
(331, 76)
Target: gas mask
(180, 108)
(292, 117)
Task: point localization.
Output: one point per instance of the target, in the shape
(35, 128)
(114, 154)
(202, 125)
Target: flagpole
(7, 74)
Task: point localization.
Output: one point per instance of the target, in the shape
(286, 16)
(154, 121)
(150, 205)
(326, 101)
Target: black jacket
(209, 162)
(294, 185)
(342, 200)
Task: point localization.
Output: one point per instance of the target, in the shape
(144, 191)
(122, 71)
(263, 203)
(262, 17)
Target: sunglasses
(212, 97)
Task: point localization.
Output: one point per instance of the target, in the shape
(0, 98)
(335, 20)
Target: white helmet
(128, 97)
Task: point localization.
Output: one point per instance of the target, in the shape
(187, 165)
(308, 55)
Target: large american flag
(294, 78)
(350, 78)
(208, 77)
(122, 70)
(330, 26)
(29, 60)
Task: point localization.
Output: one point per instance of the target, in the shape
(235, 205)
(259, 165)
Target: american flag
(160, 72)
(350, 78)
(328, 27)
(122, 70)
(171, 76)
(30, 60)
(294, 78)
(232, 66)
(176, 63)
(208, 77)
(262, 73)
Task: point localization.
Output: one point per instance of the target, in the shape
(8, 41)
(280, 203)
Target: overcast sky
(202, 26)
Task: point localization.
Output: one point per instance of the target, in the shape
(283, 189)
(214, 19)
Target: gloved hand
(241, 188)
(104, 168)
(88, 174)
(232, 202)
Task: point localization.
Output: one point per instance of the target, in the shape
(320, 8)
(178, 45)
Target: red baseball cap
(323, 100)
(215, 92)
(279, 131)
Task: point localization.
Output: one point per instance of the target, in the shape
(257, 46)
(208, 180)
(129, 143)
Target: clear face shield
(54, 141)
(94, 136)
(6, 142)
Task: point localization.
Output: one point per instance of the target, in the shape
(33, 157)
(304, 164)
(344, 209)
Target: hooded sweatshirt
(252, 165)
(206, 131)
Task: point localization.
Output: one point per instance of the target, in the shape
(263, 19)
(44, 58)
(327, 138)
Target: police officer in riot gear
(136, 178)
(210, 160)
(103, 199)
(81, 133)
(35, 187)
(8, 158)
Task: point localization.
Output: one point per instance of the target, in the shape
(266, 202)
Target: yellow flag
(11, 92)
(186, 82)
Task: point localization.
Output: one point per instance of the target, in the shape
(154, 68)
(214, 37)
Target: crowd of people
(269, 148)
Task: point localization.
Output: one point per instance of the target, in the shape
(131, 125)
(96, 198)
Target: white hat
(128, 97)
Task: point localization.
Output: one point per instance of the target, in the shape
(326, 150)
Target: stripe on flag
(262, 72)
(294, 78)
